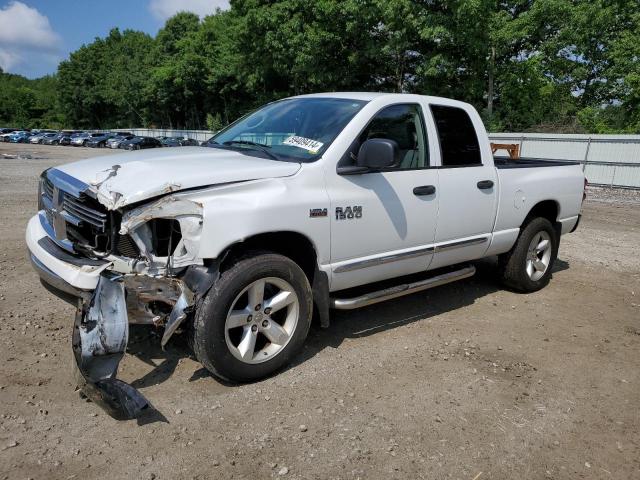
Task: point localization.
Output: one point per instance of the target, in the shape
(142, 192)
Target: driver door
(383, 223)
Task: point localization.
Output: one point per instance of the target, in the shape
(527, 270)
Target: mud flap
(100, 336)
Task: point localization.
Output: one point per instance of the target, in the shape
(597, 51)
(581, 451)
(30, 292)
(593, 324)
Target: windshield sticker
(308, 144)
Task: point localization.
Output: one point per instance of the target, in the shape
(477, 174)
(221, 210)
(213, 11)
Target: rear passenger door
(468, 190)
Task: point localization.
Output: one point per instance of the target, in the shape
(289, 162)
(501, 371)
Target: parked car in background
(4, 137)
(60, 138)
(52, 139)
(179, 142)
(67, 140)
(19, 137)
(140, 143)
(81, 139)
(78, 139)
(36, 138)
(41, 137)
(99, 141)
(118, 139)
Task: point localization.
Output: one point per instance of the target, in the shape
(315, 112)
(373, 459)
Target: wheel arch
(291, 244)
(549, 209)
(294, 245)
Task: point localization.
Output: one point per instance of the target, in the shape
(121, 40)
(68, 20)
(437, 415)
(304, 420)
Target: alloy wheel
(262, 320)
(538, 255)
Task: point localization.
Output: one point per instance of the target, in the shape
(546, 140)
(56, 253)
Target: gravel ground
(466, 381)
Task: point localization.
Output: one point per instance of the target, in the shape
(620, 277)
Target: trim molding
(396, 257)
(464, 243)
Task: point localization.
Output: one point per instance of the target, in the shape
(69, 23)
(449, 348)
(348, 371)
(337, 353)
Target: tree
(568, 65)
(101, 83)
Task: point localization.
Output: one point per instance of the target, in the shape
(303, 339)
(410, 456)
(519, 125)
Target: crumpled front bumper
(101, 327)
(100, 337)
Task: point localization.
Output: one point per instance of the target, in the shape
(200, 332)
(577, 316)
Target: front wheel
(527, 266)
(254, 319)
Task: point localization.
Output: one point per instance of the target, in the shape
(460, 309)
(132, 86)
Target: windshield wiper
(259, 146)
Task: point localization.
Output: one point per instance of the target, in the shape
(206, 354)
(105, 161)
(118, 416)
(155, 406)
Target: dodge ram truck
(310, 203)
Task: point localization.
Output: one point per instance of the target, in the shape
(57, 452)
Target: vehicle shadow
(349, 324)
(144, 344)
(345, 324)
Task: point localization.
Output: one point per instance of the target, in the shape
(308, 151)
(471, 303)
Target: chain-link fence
(199, 135)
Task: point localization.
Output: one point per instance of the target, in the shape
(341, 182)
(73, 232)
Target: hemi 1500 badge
(317, 212)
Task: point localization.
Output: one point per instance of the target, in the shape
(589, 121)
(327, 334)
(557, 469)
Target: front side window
(402, 124)
(458, 140)
(296, 129)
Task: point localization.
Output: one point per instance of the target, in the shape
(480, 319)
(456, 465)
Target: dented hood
(127, 178)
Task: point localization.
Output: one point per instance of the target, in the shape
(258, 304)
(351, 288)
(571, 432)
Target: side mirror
(378, 153)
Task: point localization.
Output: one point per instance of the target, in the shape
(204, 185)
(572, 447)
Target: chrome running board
(401, 290)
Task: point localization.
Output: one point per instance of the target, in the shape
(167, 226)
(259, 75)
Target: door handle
(485, 184)
(424, 190)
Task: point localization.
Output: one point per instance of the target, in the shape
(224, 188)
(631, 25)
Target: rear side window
(458, 140)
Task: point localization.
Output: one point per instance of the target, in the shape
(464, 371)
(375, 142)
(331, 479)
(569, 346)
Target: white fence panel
(612, 160)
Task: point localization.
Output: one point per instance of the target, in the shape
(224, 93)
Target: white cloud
(26, 36)
(163, 9)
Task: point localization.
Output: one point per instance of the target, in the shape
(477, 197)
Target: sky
(35, 35)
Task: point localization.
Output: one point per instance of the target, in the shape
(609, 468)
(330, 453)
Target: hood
(126, 178)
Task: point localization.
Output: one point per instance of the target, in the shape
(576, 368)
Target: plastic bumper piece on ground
(100, 336)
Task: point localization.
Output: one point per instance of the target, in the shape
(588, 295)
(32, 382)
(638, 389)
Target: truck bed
(527, 162)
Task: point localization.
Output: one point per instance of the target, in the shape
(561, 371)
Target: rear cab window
(459, 146)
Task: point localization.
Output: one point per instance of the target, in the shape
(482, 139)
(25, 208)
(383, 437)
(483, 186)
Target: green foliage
(101, 84)
(550, 65)
(29, 103)
(214, 122)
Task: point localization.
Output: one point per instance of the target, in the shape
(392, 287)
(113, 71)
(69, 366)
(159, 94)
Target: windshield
(297, 129)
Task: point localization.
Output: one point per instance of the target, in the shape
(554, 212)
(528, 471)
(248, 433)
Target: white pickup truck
(290, 209)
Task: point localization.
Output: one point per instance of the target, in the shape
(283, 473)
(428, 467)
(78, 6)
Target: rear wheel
(254, 319)
(527, 266)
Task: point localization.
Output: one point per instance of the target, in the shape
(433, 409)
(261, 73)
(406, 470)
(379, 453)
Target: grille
(78, 223)
(47, 188)
(85, 209)
(86, 221)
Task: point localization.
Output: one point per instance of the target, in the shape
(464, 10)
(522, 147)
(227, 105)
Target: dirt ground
(466, 381)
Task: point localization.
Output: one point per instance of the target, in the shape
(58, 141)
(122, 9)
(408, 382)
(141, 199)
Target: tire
(218, 335)
(527, 266)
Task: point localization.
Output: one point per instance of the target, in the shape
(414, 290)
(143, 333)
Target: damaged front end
(101, 335)
(153, 276)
